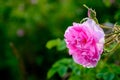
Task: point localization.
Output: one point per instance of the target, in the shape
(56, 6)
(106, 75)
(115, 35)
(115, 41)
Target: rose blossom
(85, 42)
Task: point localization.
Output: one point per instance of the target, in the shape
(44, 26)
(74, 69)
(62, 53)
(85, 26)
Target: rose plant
(86, 42)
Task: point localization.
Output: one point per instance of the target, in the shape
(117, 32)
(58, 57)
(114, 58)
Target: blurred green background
(27, 25)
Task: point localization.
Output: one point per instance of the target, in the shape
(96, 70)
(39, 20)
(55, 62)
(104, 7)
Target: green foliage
(106, 76)
(52, 43)
(60, 67)
(77, 72)
(74, 77)
(60, 44)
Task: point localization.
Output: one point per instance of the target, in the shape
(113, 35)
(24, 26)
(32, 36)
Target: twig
(20, 60)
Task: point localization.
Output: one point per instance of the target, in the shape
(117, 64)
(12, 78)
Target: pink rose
(85, 42)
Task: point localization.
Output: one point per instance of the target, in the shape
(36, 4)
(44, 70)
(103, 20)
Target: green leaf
(52, 43)
(76, 70)
(99, 75)
(108, 76)
(64, 61)
(51, 72)
(116, 69)
(62, 70)
(60, 66)
(61, 46)
(74, 77)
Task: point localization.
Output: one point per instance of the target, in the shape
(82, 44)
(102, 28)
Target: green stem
(113, 33)
(105, 27)
(84, 19)
(85, 6)
(113, 49)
